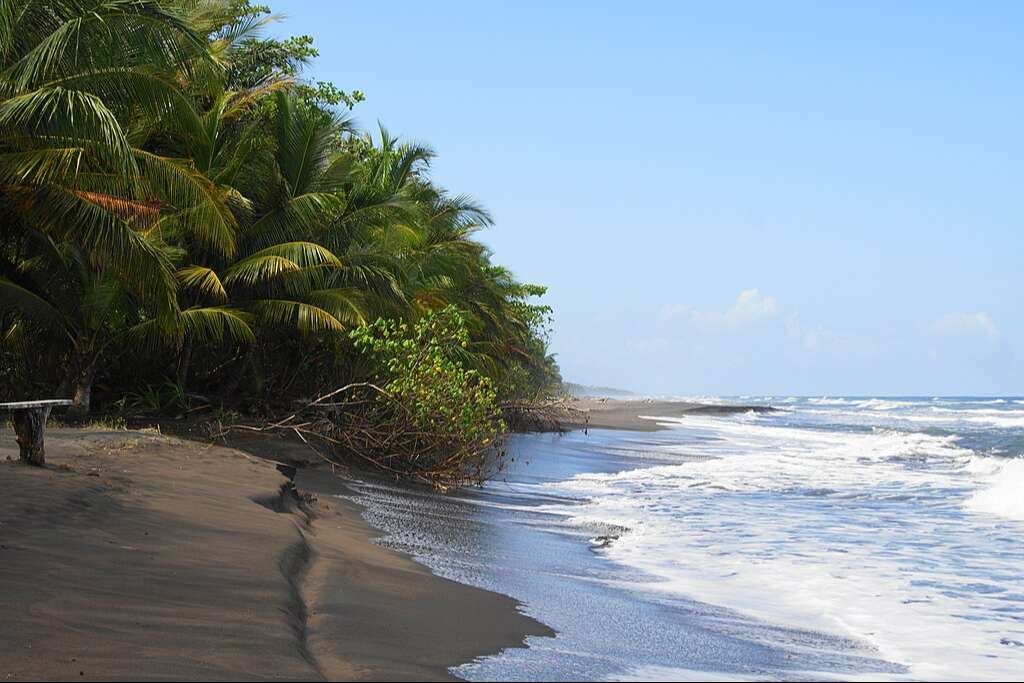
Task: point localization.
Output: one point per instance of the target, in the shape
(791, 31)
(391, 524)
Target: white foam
(1003, 492)
(882, 404)
(945, 415)
(671, 673)
(826, 401)
(820, 529)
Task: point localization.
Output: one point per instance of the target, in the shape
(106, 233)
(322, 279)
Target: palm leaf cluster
(176, 205)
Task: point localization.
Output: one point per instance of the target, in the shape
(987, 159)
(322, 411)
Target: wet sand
(599, 413)
(140, 556)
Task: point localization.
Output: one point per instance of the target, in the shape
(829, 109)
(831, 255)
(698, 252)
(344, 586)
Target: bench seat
(29, 419)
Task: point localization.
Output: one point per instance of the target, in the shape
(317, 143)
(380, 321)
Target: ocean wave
(1003, 481)
(917, 414)
(753, 454)
(979, 411)
(863, 403)
(826, 529)
(1006, 422)
(883, 404)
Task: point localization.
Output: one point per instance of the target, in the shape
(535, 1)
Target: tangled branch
(361, 422)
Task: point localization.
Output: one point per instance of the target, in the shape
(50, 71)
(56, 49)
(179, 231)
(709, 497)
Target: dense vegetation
(186, 225)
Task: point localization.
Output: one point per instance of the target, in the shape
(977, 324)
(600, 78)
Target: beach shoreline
(135, 554)
(638, 415)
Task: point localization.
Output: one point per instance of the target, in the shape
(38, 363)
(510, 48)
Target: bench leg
(30, 427)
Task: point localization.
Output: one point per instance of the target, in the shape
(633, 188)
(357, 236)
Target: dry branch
(360, 423)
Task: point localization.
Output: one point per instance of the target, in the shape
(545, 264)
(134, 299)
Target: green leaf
(305, 318)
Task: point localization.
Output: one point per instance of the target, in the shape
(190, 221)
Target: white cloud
(751, 307)
(966, 323)
(751, 310)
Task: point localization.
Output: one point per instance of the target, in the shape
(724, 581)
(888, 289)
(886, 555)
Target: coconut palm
(81, 85)
(63, 291)
(73, 71)
(165, 189)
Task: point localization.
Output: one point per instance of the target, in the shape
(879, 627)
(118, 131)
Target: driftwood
(542, 415)
(357, 423)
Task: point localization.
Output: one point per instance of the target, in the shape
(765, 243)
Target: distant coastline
(640, 415)
(587, 391)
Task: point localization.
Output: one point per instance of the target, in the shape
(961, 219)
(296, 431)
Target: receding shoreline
(136, 555)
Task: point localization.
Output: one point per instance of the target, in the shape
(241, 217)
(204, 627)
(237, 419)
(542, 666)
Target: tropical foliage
(423, 413)
(179, 208)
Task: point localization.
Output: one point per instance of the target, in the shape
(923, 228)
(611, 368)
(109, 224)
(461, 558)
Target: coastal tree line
(190, 228)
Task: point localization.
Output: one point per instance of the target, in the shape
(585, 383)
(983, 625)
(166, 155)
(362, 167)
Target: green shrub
(443, 422)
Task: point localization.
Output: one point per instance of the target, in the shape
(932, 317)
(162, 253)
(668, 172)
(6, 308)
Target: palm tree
(150, 194)
(72, 72)
(64, 291)
(84, 198)
(289, 272)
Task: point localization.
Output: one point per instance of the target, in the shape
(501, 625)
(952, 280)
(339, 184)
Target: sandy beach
(634, 415)
(134, 554)
(140, 556)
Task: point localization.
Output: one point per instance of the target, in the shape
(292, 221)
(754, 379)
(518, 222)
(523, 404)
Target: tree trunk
(184, 361)
(82, 383)
(29, 427)
(231, 388)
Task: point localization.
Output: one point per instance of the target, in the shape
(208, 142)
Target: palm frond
(53, 165)
(79, 36)
(304, 137)
(217, 324)
(14, 297)
(203, 281)
(69, 118)
(64, 215)
(347, 305)
(306, 318)
(199, 208)
(272, 262)
(259, 269)
(303, 218)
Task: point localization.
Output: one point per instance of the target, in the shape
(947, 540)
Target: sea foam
(1003, 482)
(875, 534)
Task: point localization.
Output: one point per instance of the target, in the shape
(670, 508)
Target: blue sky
(727, 198)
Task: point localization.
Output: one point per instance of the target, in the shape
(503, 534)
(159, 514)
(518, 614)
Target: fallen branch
(361, 421)
(541, 415)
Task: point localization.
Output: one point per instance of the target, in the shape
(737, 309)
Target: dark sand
(598, 413)
(139, 556)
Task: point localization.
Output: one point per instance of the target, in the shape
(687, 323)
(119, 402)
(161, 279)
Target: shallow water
(839, 537)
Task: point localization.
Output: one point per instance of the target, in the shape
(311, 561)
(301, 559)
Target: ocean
(836, 537)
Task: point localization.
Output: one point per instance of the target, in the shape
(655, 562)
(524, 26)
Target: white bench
(29, 419)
